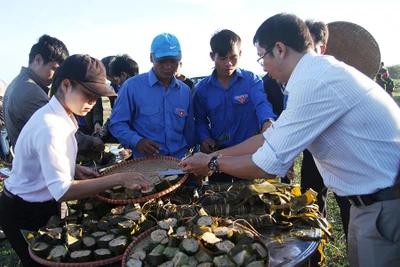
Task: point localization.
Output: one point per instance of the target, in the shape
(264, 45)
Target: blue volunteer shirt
(144, 109)
(238, 111)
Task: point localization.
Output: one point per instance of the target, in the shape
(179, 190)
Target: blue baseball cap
(166, 45)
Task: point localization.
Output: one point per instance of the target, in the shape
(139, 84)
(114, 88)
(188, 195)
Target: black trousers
(16, 215)
(311, 178)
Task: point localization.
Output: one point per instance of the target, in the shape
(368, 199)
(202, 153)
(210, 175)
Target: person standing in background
(122, 67)
(389, 83)
(29, 90)
(382, 68)
(183, 78)
(113, 83)
(380, 81)
(276, 96)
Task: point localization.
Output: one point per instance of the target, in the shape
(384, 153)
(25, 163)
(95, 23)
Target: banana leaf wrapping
(265, 204)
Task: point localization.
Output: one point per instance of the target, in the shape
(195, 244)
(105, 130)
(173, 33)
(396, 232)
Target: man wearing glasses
(229, 105)
(349, 124)
(153, 114)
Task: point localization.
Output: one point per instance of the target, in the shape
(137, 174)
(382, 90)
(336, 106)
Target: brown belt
(10, 195)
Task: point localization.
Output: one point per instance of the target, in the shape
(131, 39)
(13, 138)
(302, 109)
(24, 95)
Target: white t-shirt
(349, 124)
(45, 155)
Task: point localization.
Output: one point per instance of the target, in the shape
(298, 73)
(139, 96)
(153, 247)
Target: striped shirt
(349, 124)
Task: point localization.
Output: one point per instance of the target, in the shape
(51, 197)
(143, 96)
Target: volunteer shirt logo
(241, 98)
(181, 112)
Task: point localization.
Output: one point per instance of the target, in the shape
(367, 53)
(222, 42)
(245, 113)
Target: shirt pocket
(152, 117)
(241, 103)
(216, 111)
(179, 119)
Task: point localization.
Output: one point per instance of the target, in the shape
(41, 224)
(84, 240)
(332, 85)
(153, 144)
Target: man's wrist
(269, 120)
(213, 164)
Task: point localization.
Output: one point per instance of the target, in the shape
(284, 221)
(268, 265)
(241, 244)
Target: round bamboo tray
(148, 167)
(354, 45)
(73, 264)
(143, 240)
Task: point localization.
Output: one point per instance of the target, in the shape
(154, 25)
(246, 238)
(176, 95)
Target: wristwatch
(213, 165)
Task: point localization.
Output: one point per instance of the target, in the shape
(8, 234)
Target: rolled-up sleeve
(266, 159)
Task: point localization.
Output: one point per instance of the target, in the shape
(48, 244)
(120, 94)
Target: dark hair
(123, 63)
(285, 28)
(222, 42)
(319, 30)
(106, 62)
(379, 76)
(50, 48)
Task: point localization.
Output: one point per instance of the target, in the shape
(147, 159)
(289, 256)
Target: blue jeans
(4, 144)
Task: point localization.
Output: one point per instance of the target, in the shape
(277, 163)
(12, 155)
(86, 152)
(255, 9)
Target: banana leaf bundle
(266, 204)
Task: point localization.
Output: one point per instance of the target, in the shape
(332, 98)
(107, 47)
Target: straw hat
(354, 45)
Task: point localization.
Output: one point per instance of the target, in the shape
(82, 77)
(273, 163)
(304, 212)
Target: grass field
(335, 251)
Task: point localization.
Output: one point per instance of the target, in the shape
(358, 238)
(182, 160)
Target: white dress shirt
(349, 124)
(45, 155)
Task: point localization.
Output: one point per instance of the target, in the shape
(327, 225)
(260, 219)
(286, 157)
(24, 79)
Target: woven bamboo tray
(140, 242)
(354, 45)
(148, 167)
(73, 264)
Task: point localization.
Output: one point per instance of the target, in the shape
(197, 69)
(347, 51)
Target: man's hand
(197, 164)
(97, 129)
(208, 146)
(148, 147)
(134, 180)
(98, 145)
(83, 173)
(266, 125)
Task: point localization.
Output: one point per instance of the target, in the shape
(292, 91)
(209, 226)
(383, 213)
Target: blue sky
(101, 28)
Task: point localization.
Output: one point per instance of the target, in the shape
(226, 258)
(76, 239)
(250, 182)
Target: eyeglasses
(261, 59)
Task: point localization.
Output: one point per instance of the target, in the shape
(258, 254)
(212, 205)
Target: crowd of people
(241, 127)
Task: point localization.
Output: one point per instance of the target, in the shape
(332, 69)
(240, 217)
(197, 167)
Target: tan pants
(374, 235)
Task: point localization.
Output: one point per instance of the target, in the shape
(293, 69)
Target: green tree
(394, 71)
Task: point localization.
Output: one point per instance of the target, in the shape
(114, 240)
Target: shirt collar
(32, 75)
(153, 80)
(213, 77)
